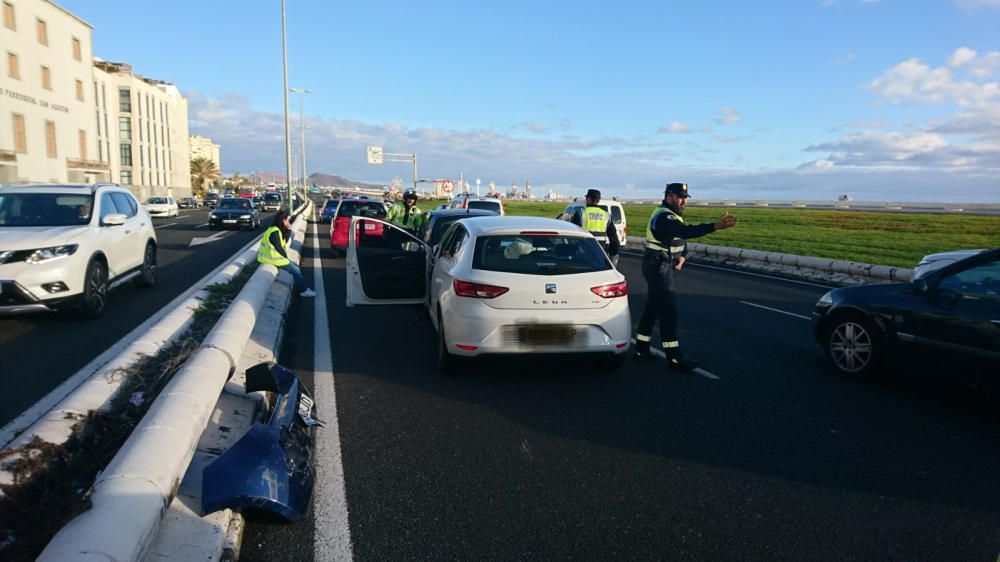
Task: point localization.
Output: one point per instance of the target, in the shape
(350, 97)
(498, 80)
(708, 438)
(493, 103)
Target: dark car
(329, 210)
(234, 212)
(187, 203)
(211, 200)
(953, 311)
(438, 222)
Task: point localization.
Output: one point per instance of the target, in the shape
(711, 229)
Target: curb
(825, 270)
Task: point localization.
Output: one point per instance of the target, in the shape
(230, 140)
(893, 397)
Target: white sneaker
(308, 293)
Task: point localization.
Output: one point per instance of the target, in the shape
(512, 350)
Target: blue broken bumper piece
(270, 470)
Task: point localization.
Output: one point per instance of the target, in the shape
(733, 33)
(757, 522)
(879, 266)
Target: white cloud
(974, 4)
(727, 116)
(841, 61)
(818, 166)
(253, 140)
(913, 81)
(961, 56)
(675, 127)
(535, 127)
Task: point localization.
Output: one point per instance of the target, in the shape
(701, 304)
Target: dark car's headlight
(245, 216)
(43, 255)
(826, 300)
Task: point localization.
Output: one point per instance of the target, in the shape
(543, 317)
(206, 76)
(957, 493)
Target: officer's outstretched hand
(725, 221)
(680, 263)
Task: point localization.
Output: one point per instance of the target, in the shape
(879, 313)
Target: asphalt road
(776, 458)
(39, 352)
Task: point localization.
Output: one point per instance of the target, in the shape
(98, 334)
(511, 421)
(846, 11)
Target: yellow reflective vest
(595, 221)
(267, 253)
(677, 245)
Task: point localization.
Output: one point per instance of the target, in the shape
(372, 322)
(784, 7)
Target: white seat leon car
(498, 285)
(65, 246)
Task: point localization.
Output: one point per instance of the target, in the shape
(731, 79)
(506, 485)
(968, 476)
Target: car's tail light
(611, 291)
(626, 231)
(477, 290)
(466, 347)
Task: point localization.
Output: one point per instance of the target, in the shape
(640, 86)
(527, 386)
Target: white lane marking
(202, 225)
(55, 396)
(332, 531)
(699, 370)
(166, 225)
(760, 275)
(208, 239)
(776, 310)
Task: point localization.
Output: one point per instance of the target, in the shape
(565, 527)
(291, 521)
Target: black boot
(677, 362)
(641, 351)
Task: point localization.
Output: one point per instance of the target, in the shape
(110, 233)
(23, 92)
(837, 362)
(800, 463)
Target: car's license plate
(369, 227)
(546, 335)
(230, 221)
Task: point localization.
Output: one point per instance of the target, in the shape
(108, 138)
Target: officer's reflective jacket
(412, 218)
(667, 233)
(597, 222)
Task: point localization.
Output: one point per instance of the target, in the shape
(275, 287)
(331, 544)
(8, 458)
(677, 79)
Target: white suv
(466, 201)
(64, 246)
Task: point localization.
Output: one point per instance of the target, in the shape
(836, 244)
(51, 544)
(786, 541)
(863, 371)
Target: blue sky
(787, 99)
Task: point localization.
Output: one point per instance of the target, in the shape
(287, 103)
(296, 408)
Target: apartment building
(203, 147)
(47, 129)
(142, 128)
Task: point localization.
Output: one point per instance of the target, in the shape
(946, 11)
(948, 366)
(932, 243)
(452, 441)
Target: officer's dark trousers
(660, 303)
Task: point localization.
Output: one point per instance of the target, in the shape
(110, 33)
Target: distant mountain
(330, 180)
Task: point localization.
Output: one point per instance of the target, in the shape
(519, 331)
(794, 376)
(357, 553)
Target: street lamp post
(288, 138)
(302, 124)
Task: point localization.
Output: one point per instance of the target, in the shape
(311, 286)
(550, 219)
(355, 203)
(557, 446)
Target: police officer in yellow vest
(597, 221)
(666, 244)
(406, 213)
(272, 251)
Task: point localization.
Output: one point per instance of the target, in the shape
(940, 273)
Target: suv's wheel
(95, 290)
(147, 277)
(854, 344)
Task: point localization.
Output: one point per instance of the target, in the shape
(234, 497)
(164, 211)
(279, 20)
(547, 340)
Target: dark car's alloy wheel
(95, 290)
(854, 346)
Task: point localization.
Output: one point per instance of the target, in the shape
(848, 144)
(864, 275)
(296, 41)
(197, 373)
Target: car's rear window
(351, 208)
(45, 209)
(488, 205)
(616, 215)
(539, 254)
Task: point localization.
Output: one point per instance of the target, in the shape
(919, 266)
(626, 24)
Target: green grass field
(883, 238)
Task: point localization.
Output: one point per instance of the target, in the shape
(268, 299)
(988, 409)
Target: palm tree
(203, 171)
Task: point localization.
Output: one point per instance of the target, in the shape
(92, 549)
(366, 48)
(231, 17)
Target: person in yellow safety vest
(272, 251)
(406, 213)
(666, 244)
(597, 222)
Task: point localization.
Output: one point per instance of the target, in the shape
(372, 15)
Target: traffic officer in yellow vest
(406, 213)
(666, 242)
(272, 251)
(597, 222)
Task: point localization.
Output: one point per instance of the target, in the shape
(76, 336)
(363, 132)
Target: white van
(613, 207)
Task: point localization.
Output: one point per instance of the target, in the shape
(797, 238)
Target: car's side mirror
(115, 219)
(920, 286)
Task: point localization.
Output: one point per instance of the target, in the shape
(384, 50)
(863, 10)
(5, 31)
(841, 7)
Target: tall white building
(47, 128)
(142, 128)
(203, 147)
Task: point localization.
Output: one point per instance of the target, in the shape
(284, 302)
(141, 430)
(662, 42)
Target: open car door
(385, 264)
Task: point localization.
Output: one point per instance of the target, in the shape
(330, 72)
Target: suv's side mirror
(920, 286)
(115, 219)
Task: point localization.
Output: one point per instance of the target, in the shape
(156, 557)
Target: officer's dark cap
(593, 194)
(678, 189)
